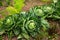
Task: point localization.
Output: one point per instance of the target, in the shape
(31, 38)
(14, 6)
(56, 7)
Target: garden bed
(54, 23)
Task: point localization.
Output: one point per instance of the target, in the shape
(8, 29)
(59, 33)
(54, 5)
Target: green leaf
(39, 12)
(45, 25)
(55, 1)
(30, 25)
(0, 3)
(25, 35)
(18, 4)
(1, 37)
(17, 31)
(2, 30)
(11, 10)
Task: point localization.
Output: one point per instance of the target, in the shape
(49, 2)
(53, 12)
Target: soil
(2, 8)
(31, 3)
